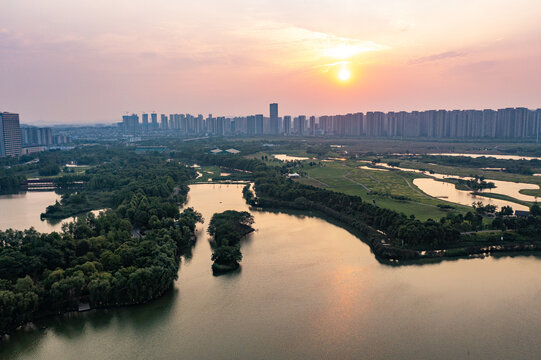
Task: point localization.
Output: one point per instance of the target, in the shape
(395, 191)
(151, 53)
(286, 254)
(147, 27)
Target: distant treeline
(10, 183)
(523, 167)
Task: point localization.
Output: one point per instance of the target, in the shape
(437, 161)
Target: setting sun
(344, 74)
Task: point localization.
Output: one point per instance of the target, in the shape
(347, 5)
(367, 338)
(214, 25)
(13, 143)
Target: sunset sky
(66, 61)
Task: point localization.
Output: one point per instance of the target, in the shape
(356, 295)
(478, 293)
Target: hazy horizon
(92, 61)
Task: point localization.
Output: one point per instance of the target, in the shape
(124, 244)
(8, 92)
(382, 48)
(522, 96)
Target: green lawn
(380, 186)
(532, 192)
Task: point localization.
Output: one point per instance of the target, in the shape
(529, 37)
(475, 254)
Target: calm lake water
(285, 157)
(502, 157)
(366, 167)
(448, 192)
(309, 290)
(495, 156)
(20, 211)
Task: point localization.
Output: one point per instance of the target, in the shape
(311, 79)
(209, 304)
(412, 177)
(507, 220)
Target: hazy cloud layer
(436, 57)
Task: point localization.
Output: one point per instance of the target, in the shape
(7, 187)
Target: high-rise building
(250, 126)
(259, 124)
(35, 136)
(154, 118)
(287, 124)
(130, 123)
(10, 135)
(145, 122)
(176, 122)
(312, 125)
(299, 125)
(273, 118)
(163, 121)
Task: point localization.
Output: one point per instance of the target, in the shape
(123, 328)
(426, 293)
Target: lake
(448, 192)
(308, 289)
(366, 167)
(501, 157)
(284, 157)
(495, 156)
(20, 211)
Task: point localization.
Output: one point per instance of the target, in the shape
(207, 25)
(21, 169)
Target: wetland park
(340, 257)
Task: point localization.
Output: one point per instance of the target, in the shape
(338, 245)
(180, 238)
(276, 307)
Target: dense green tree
(127, 254)
(227, 229)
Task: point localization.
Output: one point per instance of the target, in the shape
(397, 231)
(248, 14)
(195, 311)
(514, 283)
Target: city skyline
(507, 123)
(88, 63)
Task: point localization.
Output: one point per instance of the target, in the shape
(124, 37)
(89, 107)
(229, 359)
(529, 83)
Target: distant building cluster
(16, 140)
(38, 136)
(510, 123)
(188, 124)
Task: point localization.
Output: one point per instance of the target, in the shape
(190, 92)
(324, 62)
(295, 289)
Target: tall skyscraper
(35, 136)
(299, 124)
(154, 118)
(274, 118)
(163, 121)
(10, 135)
(312, 125)
(259, 124)
(130, 123)
(287, 124)
(250, 126)
(145, 122)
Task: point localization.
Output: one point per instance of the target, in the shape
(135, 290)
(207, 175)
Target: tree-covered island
(227, 229)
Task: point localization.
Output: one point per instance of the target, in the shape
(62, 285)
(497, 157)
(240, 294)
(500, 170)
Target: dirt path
(316, 180)
(355, 182)
(415, 189)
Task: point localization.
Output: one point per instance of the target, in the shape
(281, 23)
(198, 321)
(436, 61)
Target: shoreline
(388, 254)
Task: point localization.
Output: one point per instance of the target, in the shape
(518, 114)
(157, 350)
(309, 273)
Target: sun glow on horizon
(344, 74)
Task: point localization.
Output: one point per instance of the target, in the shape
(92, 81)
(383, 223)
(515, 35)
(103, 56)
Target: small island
(227, 229)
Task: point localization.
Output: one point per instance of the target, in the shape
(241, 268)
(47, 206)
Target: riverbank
(386, 253)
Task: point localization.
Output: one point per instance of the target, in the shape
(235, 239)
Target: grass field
(389, 189)
(393, 189)
(531, 192)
